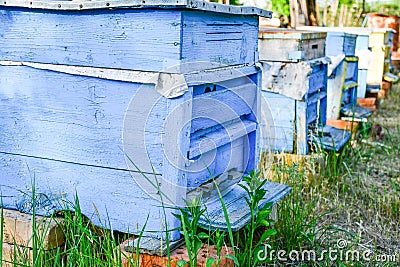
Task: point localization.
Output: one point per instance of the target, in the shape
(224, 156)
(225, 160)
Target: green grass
(354, 196)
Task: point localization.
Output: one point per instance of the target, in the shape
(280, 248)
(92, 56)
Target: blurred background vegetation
(328, 12)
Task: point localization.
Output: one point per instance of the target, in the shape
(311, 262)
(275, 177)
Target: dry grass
(354, 196)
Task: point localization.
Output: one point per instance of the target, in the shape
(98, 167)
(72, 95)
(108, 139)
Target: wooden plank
(317, 81)
(110, 38)
(237, 208)
(203, 143)
(314, 48)
(353, 111)
(176, 143)
(301, 128)
(222, 40)
(138, 4)
(289, 45)
(334, 91)
(362, 83)
(51, 114)
(376, 67)
(281, 141)
(230, 156)
(105, 195)
(332, 138)
(18, 230)
(222, 106)
(289, 79)
(278, 122)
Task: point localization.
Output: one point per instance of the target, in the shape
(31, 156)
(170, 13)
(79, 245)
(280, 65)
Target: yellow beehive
(380, 41)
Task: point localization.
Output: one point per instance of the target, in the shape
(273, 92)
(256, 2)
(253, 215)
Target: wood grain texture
(105, 196)
(290, 46)
(126, 39)
(89, 137)
(224, 39)
(351, 69)
(277, 122)
(286, 121)
(349, 44)
(333, 139)
(63, 117)
(221, 106)
(334, 90)
(151, 40)
(77, 135)
(237, 208)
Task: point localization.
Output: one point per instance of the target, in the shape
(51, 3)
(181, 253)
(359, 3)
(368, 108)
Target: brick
(11, 252)
(146, 260)
(377, 97)
(343, 124)
(368, 101)
(18, 230)
(14, 255)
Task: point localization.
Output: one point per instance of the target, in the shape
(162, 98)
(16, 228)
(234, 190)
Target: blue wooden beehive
(295, 94)
(364, 55)
(125, 102)
(343, 74)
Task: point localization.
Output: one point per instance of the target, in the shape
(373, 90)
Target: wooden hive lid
(137, 4)
(271, 33)
(336, 31)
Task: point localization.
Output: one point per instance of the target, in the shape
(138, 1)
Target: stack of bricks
(147, 260)
(18, 236)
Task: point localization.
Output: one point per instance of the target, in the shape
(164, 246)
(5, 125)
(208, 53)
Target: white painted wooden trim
(170, 85)
(161, 4)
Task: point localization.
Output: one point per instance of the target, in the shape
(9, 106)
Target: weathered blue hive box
(295, 95)
(364, 57)
(342, 74)
(290, 46)
(124, 103)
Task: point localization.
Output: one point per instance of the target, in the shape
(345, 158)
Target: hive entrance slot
(210, 88)
(208, 190)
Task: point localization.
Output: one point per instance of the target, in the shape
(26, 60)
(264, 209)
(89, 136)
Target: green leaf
(263, 223)
(270, 232)
(265, 212)
(197, 245)
(210, 262)
(245, 188)
(181, 263)
(203, 235)
(235, 260)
